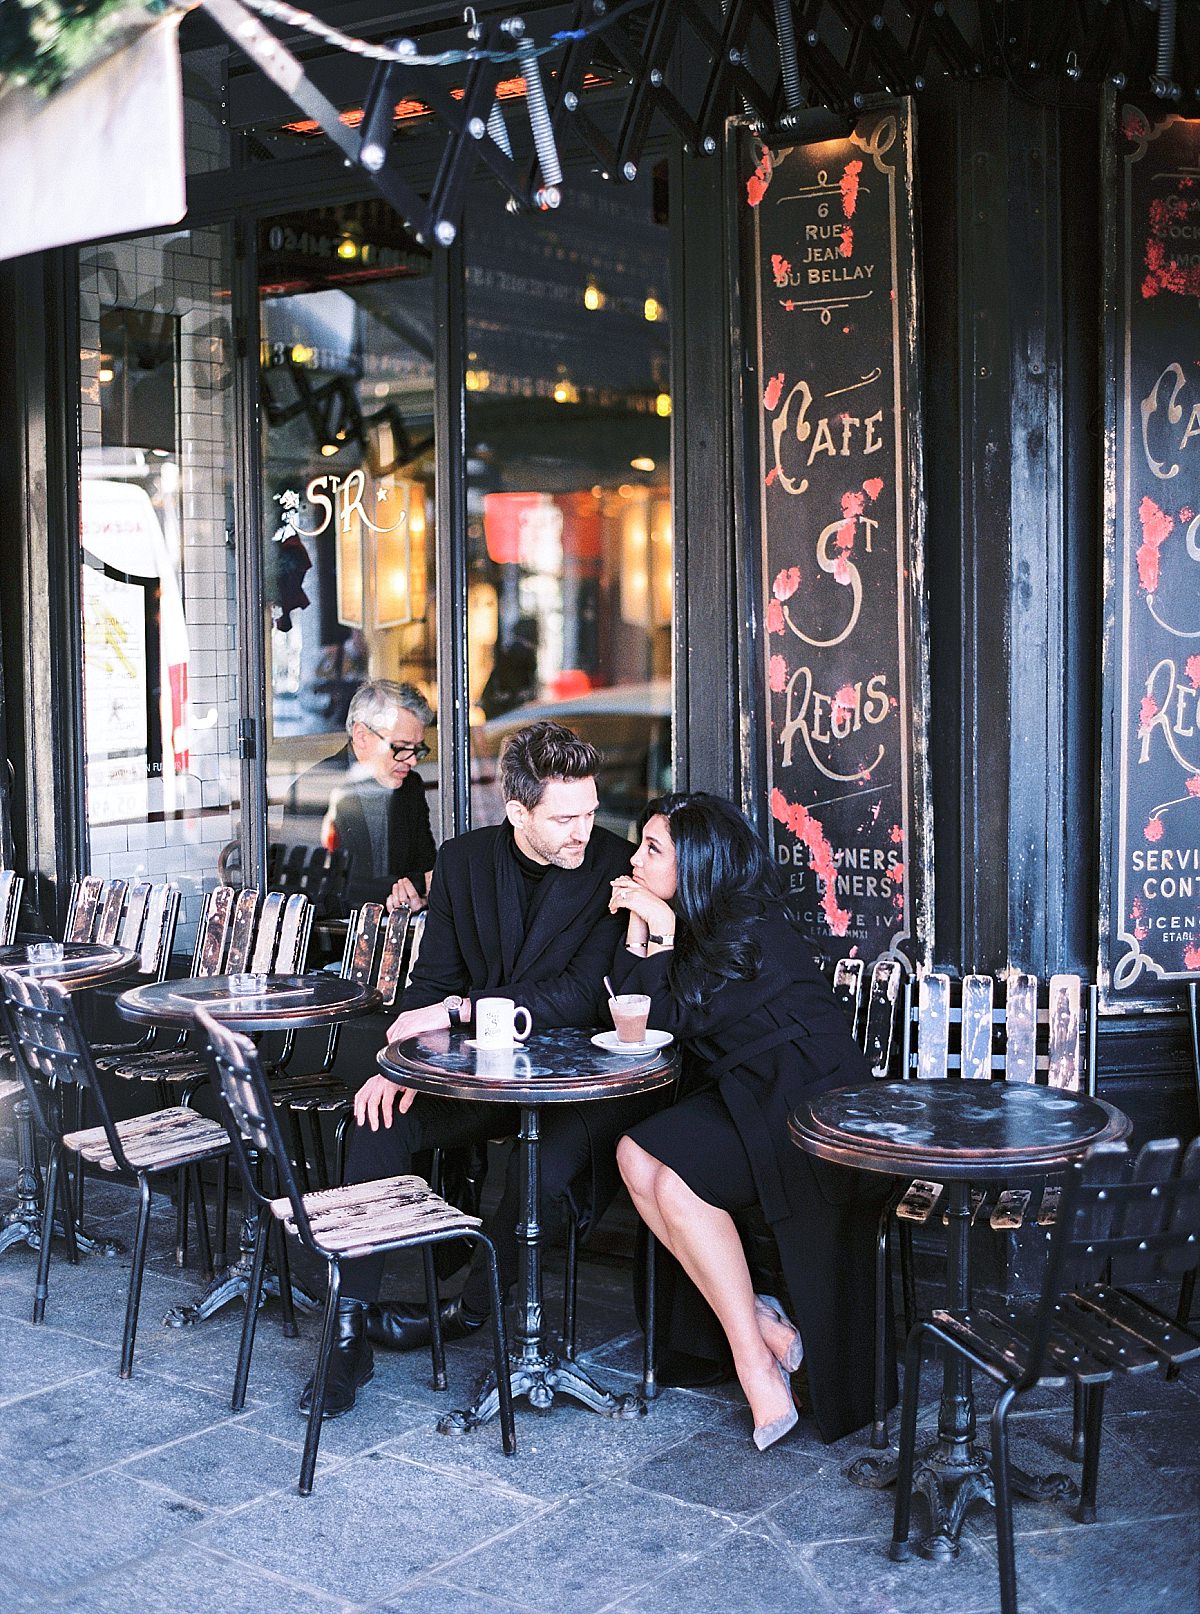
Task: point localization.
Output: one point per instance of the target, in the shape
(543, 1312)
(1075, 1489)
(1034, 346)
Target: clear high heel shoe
(769, 1309)
(769, 1433)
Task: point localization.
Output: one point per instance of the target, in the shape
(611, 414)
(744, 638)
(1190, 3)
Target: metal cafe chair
(54, 1059)
(336, 1224)
(1143, 1216)
(373, 957)
(234, 934)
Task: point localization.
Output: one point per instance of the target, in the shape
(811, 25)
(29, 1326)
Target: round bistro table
(276, 1003)
(551, 1067)
(956, 1132)
(82, 964)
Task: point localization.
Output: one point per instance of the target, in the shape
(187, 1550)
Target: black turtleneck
(532, 874)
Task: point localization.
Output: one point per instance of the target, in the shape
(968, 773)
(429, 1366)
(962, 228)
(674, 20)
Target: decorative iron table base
(234, 1284)
(539, 1380)
(950, 1483)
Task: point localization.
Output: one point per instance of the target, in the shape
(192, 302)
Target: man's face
(556, 831)
(373, 748)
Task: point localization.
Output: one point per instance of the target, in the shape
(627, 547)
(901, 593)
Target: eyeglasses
(406, 751)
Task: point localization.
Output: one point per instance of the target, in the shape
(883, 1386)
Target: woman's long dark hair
(725, 883)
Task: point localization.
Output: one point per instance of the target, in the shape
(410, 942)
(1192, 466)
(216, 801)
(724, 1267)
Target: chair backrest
(233, 936)
(11, 887)
(374, 951)
(50, 1048)
(1141, 1214)
(416, 932)
(871, 1000)
(316, 872)
(243, 1097)
(877, 1024)
(139, 917)
(847, 989)
(981, 1030)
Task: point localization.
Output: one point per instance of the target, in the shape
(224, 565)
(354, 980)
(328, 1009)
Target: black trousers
(578, 1171)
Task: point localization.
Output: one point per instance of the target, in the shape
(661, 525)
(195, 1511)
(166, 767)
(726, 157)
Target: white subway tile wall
(184, 275)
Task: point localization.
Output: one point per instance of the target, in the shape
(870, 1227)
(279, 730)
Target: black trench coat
(824, 1217)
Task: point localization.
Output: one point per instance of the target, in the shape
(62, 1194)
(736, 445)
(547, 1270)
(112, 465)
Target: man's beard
(561, 859)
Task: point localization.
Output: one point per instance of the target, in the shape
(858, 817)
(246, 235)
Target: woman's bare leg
(705, 1242)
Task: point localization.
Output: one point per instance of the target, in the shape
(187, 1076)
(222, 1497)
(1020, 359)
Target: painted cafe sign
(1152, 583)
(840, 491)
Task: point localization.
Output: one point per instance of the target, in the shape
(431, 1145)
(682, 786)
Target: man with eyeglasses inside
(377, 809)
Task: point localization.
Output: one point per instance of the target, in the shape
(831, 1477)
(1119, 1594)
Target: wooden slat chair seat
(1142, 1217)
(53, 1059)
(352, 1220)
(160, 1141)
(336, 1223)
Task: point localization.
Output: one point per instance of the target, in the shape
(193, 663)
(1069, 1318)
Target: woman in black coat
(710, 941)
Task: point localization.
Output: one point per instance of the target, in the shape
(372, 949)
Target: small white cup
(45, 955)
(496, 1023)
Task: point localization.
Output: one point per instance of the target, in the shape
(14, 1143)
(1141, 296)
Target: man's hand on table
(376, 1099)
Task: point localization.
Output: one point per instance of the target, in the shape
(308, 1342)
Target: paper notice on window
(102, 156)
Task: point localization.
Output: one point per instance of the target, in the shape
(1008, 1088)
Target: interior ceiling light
(330, 449)
(642, 462)
(662, 405)
(347, 247)
(593, 298)
(652, 309)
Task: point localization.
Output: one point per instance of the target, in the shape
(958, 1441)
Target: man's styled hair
(543, 751)
(379, 702)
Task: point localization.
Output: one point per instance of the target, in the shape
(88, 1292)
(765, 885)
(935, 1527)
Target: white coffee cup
(496, 1023)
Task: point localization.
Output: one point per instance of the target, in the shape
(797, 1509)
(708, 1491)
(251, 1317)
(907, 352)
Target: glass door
(158, 565)
(347, 415)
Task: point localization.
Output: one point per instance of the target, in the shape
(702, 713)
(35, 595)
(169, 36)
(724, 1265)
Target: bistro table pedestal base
(539, 1380)
(234, 1284)
(950, 1483)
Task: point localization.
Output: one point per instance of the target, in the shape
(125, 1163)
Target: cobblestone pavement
(151, 1496)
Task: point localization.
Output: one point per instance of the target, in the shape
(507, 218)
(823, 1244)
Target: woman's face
(654, 860)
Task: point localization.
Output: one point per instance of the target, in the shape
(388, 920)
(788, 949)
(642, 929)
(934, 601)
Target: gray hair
(379, 701)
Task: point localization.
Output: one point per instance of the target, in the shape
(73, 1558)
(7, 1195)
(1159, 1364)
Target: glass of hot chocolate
(630, 1011)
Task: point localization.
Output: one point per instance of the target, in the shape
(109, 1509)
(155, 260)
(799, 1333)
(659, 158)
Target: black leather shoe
(351, 1361)
(403, 1325)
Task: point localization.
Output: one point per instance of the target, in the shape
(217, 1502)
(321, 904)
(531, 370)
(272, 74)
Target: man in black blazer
(519, 908)
(372, 797)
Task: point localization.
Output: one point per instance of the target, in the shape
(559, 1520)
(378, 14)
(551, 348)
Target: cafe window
(346, 393)
(569, 515)
(157, 564)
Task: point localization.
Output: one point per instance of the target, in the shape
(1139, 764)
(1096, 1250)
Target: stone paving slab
(368, 1529)
(590, 1551)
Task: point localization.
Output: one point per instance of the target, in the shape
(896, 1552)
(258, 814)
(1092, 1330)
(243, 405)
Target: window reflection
(569, 520)
(347, 401)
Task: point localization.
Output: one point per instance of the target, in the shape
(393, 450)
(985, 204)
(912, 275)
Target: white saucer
(611, 1043)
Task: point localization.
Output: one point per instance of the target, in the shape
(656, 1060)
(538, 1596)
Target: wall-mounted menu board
(1151, 937)
(840, 483)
